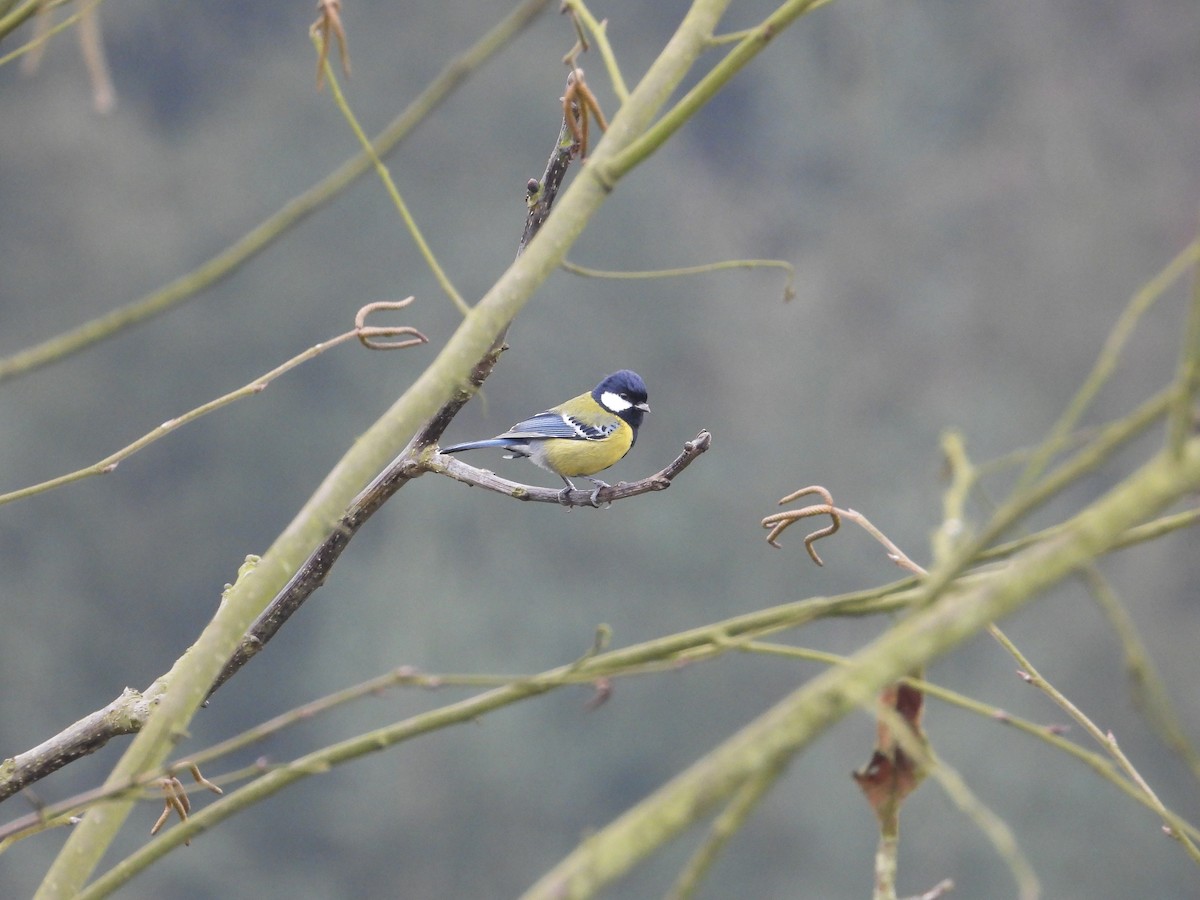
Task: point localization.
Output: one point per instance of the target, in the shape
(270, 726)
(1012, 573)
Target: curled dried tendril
(367, 334)
(779, 522)
(329, 23)
(176, 798)
(578, 104)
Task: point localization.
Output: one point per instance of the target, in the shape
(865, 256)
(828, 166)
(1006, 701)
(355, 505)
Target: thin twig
(963, 477)
(1177, 827)
(994, 828)
(723, 828)
(404, 676)
(126, 714)
(452, 75)
(1147, 686)
(329, 25)
(1106, 362)
(385, 176)
(1054, 735)
(1147, 531)
(789, 291)
(583, 19)
(365, 334)
(468, 710)
(42, 32)
(1182, 422)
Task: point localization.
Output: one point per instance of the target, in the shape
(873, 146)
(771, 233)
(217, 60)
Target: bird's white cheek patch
(614, 402)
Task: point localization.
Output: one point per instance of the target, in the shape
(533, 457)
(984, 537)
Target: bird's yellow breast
(572, 458)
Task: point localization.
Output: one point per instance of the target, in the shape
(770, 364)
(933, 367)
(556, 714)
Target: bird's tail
(477, 445)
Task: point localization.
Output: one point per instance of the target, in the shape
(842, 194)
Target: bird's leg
(562, 495)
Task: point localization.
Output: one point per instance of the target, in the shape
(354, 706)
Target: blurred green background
(970, 192)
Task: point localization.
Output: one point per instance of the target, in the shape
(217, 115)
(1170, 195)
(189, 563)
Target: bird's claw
(594, 499)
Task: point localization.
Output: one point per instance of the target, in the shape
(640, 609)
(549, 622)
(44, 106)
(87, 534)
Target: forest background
(970, 193)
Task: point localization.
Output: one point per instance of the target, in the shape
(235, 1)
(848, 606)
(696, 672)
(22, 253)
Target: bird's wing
(552, 424)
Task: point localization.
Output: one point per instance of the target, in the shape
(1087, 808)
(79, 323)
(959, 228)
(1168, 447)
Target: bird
(581, 437)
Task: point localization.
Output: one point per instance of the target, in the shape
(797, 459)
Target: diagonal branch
(789, 726)
(128, 713)
(412, 461)
(474, 340)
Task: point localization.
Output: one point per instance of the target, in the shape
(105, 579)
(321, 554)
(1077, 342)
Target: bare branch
(125, 715)
(659, 481)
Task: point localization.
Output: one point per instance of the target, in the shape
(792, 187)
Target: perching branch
(411, 461)
(659, 481)
(312, 574)
(419, 456)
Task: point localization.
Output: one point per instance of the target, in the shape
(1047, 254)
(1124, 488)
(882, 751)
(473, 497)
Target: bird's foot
(594, 499)
(565, 494)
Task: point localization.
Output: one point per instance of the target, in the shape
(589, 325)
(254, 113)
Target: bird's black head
(623, 393)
